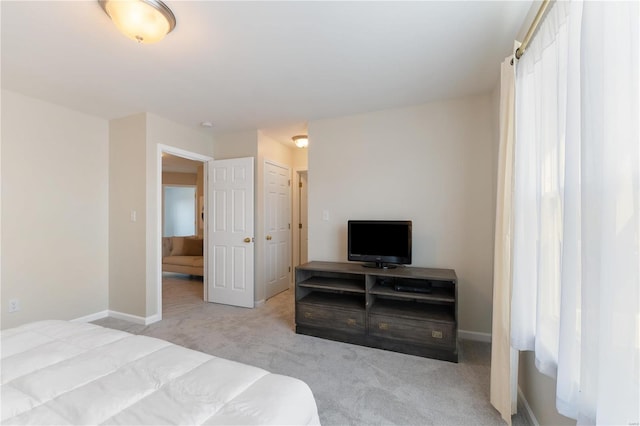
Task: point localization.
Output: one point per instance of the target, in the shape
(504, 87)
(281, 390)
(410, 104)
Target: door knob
(268, 237)
(247, 240)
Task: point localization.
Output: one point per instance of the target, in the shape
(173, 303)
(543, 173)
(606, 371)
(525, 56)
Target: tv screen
(384, 242)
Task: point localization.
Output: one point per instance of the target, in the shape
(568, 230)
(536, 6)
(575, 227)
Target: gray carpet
(353, 385)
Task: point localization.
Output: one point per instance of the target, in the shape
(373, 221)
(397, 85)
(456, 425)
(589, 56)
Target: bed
(58, 372)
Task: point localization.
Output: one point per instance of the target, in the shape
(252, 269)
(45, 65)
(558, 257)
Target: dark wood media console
(406, 309)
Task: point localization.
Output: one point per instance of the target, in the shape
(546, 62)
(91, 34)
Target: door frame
(168, 149)
(295, 238)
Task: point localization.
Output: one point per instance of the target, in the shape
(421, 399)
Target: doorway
(181, 182)
(182, 277)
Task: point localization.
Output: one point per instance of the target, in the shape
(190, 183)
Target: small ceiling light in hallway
(301, 141)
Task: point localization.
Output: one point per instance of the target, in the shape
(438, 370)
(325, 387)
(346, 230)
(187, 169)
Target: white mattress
(56, 372)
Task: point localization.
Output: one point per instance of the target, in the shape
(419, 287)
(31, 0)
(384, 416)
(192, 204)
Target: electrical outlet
(14, 305)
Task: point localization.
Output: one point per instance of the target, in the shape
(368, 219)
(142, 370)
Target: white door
(303, 226)
(277, 228)
(230, 231)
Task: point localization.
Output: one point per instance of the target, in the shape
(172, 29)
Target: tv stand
(410, 310)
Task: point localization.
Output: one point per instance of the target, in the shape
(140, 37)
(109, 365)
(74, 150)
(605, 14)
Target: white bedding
(56, 372)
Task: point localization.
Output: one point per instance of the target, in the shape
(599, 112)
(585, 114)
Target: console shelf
(436, 295)
(410, 310)
(338, 284)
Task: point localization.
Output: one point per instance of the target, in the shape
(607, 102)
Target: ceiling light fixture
(301, 141)
(146, 21)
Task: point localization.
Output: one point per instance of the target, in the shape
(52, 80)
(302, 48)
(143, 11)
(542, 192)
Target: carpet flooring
(353, 385)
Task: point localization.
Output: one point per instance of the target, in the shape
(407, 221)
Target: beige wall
(54, 211)
(540, 392)
(127, 258)
(176, 178)
(236, 145)
(300, 159)
(431, 164)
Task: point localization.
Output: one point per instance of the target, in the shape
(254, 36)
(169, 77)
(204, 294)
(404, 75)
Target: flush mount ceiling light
(145, 21)
(301, 141)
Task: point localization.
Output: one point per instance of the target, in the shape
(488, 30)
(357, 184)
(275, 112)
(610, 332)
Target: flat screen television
(382, 243)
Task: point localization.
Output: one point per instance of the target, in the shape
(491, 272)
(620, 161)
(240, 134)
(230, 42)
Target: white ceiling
(258, 65)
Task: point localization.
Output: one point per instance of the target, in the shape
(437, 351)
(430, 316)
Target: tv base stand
(406, 309)
(380, 265)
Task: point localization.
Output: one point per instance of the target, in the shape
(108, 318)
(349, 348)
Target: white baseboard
(259, 303)
(152, 319)
(92, 317)
(527, 408)
(128, 317)
(119, 315)
(474, 335)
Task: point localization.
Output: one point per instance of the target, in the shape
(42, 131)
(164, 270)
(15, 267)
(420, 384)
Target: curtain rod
(532, 29)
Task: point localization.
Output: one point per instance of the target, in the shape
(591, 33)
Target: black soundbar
(413, 289)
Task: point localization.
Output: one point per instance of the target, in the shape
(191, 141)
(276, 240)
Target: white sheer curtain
(576, 258)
